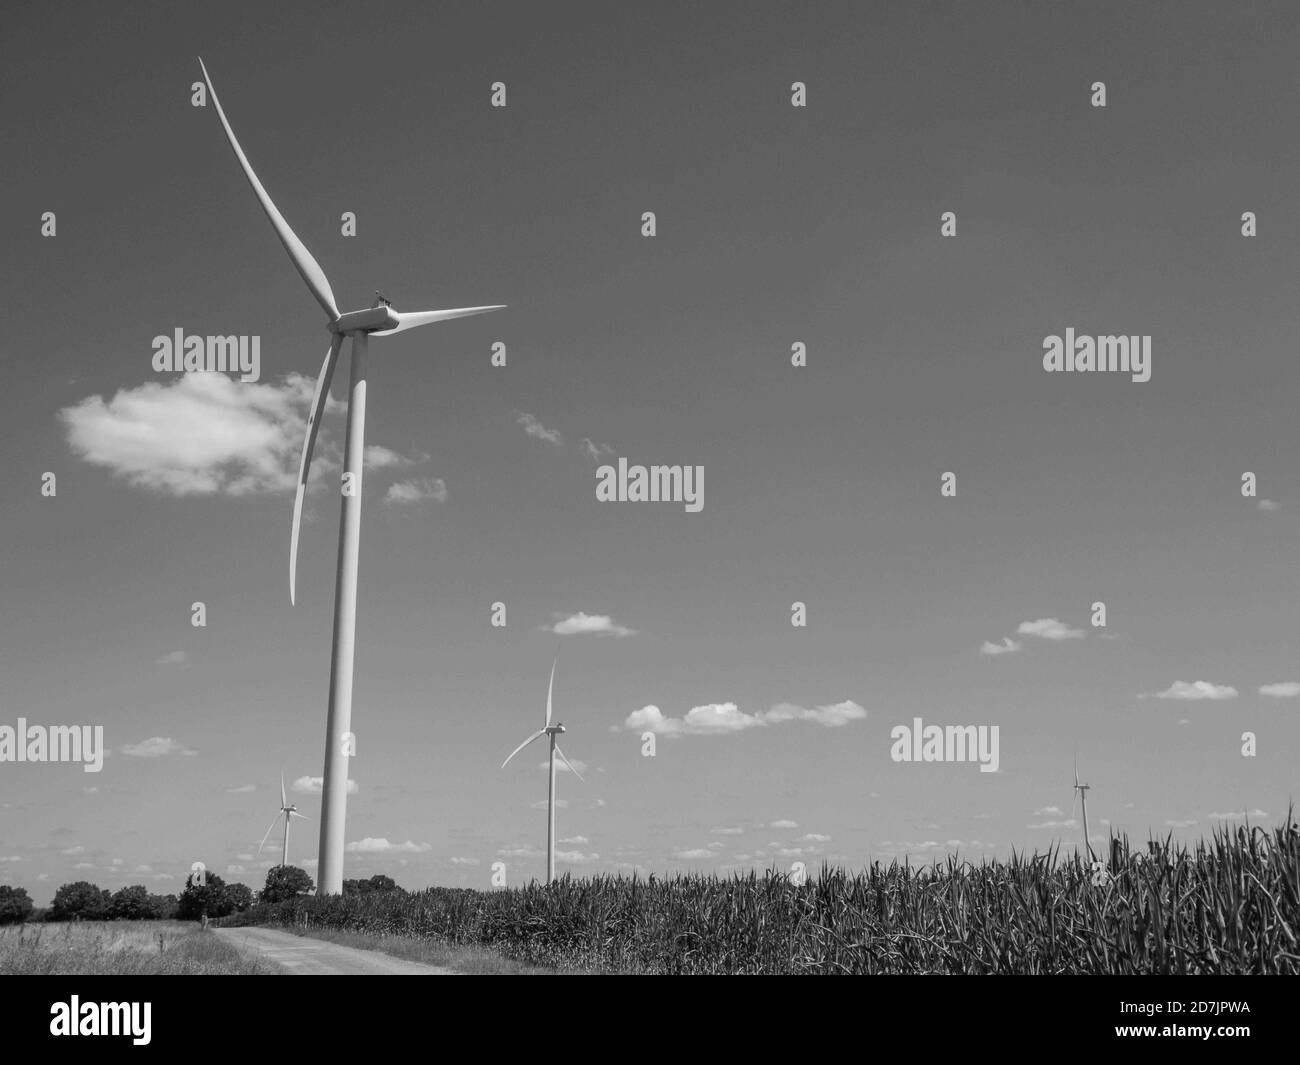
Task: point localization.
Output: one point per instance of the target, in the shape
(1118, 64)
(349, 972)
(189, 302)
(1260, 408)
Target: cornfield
(1230, 905)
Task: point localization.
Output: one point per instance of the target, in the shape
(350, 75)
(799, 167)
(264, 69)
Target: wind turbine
(378, 320)
(288, 811)
(1081, 796)
(548, 730)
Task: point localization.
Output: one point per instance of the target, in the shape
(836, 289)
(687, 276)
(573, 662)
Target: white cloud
(1006, 647)
(143, 869)
(456, 860)
(1048, 811)
(576, 841)
(403, 493)
(378, 457)
(538, 431)
(173, 658)
(1182, 824)
(577, 764)
(371, 845)
(729, 830)
(235, 870)
(84, 865)
(581, 624)
(692, 855)
(1287, 689)
(1049, 629)
(817, 837)
(1240, 815)
(595, 451)
(313, 785)
(155, 747)
(575, 857)
(1268, 504)
(74, 850)
(1069, 822)
(10, 858)
(1200, 689)
(784, 823)
(243, 789)
(713, 719)
(244, 857)
(196, 434)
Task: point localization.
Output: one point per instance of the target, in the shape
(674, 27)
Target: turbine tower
(359, 326)
(552, 731)
(288, 811)
(1081, 797)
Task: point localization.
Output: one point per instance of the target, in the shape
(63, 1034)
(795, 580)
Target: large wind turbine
(548, 730)
(377, 320)
(288, 811)
(1081, 796)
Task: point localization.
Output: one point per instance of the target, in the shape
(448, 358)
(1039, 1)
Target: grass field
(120, 948)
(467, 960)
(1229, 905)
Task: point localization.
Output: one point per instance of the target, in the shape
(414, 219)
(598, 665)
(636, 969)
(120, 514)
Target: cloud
(541, 804)
(378, 457)
(1288, 689)
(196, 434)
(457, 860)
(729, 831)
(1049, 629)
(74, 850)
(1048, 811)
(538, 431)
(784, 823)
(1182, 824)
(581, 624)
(595, 451)
(243, 789)
(403, 493)
(235, 870)
(173, 658)
(1069, 822)
(1240, 815)
(84, 865)
(156, 747)
(576, 857)
(370, 845)
(693, 855)
(578, 764)
(576, 841)
(1268, 504)
(817, 837)
(1006, 647)
(313, 785)
(713, 719)
(11, 858)
(1200, 689)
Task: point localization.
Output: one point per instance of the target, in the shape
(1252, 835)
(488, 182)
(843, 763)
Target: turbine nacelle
(370, 320)
(554, 730)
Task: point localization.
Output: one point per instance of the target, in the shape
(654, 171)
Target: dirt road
(315, 957)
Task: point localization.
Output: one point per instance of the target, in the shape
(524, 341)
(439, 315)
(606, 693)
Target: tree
(285, 882)
(379, 882)
(238, 897)
(208, 898)
(80, 901)
(15, 904)
(132, 904)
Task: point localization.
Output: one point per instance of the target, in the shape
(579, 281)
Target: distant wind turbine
(378, 320)
(288, 811)
(548, 730)
(1081, 797)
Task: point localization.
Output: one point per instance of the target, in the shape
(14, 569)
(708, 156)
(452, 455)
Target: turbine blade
(319, 400)
(411, 319)
(268, 834)
(549, 688)
(283, 799)
(308, 267)
(295, 813)
(536, 735)
(568, 763)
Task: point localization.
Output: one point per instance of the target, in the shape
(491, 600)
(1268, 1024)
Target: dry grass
(121, 948)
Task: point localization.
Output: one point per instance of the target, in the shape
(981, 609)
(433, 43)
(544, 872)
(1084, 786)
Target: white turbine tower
(548, 730)
(288, 811)
(377, 320)
(1081, 797)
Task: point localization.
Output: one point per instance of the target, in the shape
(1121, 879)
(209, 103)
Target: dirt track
(315, 957)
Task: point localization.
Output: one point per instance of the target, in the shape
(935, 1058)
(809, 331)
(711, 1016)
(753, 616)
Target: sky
(775, 225)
